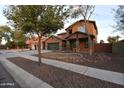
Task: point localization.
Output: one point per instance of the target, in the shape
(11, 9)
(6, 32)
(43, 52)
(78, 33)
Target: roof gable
(54, 37)
(80, 33)
(94, 23)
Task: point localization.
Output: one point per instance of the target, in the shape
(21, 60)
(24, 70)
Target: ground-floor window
(86, 44)
(73, 44)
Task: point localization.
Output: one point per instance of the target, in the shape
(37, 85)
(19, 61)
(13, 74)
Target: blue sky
(103, 15)
(3, 20)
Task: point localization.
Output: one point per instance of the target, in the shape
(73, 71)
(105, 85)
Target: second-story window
(81, 29)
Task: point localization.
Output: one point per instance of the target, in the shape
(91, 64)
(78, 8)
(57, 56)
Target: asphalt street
(6, 80)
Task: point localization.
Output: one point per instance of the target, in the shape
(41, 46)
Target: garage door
(53, 46)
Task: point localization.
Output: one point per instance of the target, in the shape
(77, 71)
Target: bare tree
(86, 12)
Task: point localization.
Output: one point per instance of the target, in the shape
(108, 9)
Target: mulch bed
(110, 62)
(59, 77)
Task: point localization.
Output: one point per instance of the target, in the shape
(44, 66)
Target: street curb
(23, 78)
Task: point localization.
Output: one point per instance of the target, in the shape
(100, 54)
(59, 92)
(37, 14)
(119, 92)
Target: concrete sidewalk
(114, 77)
(23, 78)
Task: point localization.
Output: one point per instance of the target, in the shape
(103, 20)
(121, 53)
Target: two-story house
(74, 39)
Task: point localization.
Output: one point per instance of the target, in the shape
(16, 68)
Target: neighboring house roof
(59, 38)
(91, 21)
(77, 32)
(34, 40)
(55, 37)
(62, 35)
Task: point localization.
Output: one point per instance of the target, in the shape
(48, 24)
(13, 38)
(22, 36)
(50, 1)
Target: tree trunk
(89, 39)
(90, 45)
(39, 49)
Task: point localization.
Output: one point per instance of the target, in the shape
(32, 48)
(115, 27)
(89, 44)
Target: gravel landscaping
(111, 62)
(59, 77)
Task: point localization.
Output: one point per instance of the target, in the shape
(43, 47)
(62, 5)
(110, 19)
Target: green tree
(5, 32)
(113, 39)
(119, 19)
(10, 44)
(101, 41)
(19, 38)
(84, 11)
(39, 20)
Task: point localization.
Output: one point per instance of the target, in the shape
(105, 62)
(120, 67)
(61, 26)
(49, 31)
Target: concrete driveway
(15, 52)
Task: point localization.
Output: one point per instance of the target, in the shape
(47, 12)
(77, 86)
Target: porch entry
(77, 45)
